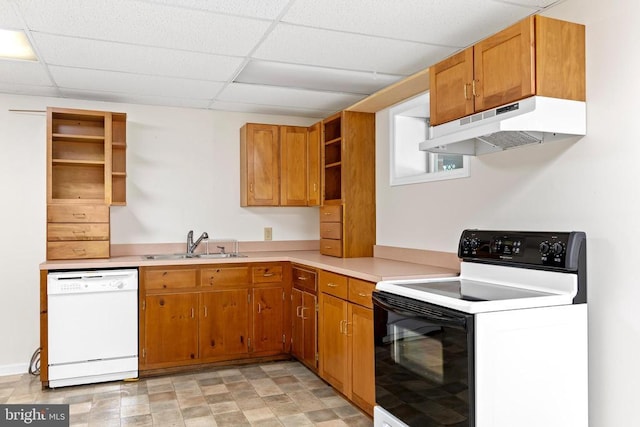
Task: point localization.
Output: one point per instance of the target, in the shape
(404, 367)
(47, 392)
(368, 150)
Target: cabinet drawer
(304, 279)
(224, 276)
(331, 230)
(334, 284)
(360, 292)
(267, 274)
(78, 250)
(331, 247)
(170, 279)
(77, 213)
(331, 213)
(82, 231)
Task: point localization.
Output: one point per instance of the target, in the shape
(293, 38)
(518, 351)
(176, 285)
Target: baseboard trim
(16, 369)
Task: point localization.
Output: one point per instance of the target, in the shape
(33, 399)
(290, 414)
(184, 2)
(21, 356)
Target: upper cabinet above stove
(536, 56)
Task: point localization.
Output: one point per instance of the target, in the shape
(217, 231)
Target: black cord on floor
(34, 365)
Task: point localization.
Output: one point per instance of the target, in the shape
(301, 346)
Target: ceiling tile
(314, 78)
(458, 23)
(133, 84)
(303, 45)
(84, 53)
(23, 72)
(135, 99)
(28, 89)
(253, 8)
(536, 4)
(270, 109)
(8, 18)
(286, 97)
(146, 24)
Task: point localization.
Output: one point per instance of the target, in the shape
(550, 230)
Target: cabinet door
(224, 323)
(260, 158)
(297, 326)
(313, 164)
(171, 328)
(308, 315)
(333, 342)
(504, 66)
(268, 320)
(293, 166)
(360, 332)
(451, 91)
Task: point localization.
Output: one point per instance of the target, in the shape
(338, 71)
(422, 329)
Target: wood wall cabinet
(275, 165)
(346, 337)
(304, 313)
(86, 172)
(536, 56)
(193, 315)
(348, 160)
(314, 182)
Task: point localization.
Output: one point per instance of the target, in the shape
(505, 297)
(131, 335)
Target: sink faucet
(191, 245)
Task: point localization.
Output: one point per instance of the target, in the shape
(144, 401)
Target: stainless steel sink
(188, 256)
(221, 255)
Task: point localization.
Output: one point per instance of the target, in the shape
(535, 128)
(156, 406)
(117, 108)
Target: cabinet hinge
(317, 357)
(284, 339)
(317, 308)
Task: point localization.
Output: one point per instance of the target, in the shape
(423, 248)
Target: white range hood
(529, 121)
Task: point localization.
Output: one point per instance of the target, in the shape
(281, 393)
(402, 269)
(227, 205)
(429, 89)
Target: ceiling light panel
(414, 20)
(253, 8)
(303, 45)
(146, 24)
(14, 44)
(136, 84)
(285, 97)
(314, 78)
(84, 53)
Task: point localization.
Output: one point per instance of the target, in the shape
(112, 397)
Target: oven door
(424, 362)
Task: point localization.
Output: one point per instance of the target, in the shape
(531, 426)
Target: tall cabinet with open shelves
(86, 173)
(347, 216)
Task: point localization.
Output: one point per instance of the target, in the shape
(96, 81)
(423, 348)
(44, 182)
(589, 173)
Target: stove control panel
(524, 248)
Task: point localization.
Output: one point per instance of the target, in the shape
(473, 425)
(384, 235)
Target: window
(408, 126)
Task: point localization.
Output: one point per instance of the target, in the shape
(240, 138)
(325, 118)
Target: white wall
(183, 173)
(589, 185)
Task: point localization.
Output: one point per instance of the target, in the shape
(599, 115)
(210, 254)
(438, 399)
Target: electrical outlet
(268, 233)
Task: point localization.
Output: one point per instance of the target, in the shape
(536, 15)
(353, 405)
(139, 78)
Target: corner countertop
(372, 269)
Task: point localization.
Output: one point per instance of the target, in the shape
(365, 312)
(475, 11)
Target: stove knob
(557, 248)
(544, 248)
(466, 243)
(474, 244)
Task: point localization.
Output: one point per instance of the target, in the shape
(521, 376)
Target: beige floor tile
(222, 407)
(135, 410)
(296, 420)
(258, 414)
(201, 422)
(137, 421)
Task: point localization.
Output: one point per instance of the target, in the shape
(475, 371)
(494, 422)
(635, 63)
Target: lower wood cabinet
(346, 337)
(192, 315)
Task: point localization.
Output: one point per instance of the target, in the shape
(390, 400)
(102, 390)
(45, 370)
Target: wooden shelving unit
(86, 173)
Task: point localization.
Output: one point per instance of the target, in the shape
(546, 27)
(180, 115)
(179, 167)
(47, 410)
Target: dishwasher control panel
(70, 282)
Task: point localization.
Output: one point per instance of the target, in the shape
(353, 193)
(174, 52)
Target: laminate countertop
(372, 269)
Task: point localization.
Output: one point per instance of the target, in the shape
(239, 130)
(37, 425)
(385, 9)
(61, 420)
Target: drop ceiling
(305, 58)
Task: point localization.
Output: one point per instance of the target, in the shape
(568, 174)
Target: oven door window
(422, 368)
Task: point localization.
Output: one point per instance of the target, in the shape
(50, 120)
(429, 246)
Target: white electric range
(502, 345)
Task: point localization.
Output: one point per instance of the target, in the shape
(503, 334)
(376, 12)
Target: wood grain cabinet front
(77, 231)
(345, 332)
(536, 56)
(304, 315)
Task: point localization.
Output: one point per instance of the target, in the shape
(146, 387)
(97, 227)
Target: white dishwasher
(92, 326)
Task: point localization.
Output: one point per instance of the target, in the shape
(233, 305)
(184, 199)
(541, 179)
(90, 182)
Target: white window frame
(420, 102)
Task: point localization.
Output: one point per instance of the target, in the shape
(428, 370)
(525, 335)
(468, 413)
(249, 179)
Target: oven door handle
(426, 313)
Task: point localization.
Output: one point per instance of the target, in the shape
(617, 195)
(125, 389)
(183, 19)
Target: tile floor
(269, 394)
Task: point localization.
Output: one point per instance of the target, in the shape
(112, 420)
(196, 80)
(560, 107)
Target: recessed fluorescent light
(314, 78)
(14, 44)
